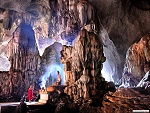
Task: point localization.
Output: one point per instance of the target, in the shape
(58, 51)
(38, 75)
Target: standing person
(22, 107)
(30, 93)
(58, 82)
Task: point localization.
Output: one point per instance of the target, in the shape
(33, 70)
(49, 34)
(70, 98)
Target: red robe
(30, 94)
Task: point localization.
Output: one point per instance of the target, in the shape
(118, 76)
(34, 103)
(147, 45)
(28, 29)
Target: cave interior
(100, 48)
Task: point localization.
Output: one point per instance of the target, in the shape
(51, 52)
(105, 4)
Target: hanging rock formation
(125, 21)
(38, 8)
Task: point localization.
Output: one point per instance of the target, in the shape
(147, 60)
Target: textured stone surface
(24, 59)
(6, 84)
(125, 22)
(82, 67)
(9, 90)
(122, 22)
(126, 100)
(23, 54)
(138, 58)
(145, 82)
(122, 101)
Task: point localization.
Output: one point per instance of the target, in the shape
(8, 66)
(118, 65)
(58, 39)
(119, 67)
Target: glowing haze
(52, 64)
(52, 70)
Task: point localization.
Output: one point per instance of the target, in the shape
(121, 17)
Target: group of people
(31, 88)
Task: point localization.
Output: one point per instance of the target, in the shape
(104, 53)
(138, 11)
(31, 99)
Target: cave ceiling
(124, 21)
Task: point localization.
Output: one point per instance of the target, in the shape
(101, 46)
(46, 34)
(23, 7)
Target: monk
(30, 93)
(58, 82)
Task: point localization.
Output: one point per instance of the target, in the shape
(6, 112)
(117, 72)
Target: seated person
(58, 82)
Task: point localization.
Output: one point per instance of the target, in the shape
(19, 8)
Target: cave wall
(138, 58)
(125, 22)
(66, 21)
(6, 84)
(24, 59)
(12, 86)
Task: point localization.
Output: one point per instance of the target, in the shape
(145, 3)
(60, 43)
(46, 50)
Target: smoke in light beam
(52, 70)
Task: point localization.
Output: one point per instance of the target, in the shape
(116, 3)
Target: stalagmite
(86, 58)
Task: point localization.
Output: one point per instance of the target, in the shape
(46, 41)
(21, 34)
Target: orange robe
(30, 94)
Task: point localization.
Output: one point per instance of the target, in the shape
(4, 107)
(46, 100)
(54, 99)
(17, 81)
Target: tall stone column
(23, 54)
(85, 61)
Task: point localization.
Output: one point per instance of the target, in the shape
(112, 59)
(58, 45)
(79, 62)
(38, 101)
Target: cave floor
(124, 100)
(10, 107)
(17, 103)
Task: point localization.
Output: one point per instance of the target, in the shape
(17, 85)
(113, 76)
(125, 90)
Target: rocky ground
(127, 99)
(124, 100)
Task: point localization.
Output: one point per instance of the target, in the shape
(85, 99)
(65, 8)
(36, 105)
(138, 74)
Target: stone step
(42, 101)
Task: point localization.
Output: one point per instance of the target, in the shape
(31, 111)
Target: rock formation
(145, 82)
(117, 23)
(126, 100)
(82, 67)
(138, 58)
(9, 90)
(7, 87)
(24, 57)
(122, 20)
